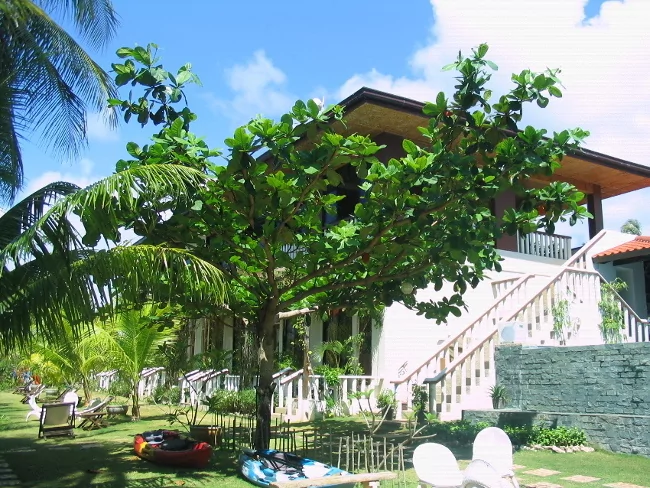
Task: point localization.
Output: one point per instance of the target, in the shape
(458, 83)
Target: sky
(258, 57)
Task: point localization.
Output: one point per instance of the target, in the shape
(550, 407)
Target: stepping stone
(624, 485)
(5, 470)
(546, 472)
(59, 448)
(90, 445)
(8, 476)
(544, 484)
(578, 478)
(518, 466)
(23, 449)
(9, 482)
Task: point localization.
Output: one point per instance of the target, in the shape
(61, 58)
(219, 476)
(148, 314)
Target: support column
(595, 208)
(503, 202)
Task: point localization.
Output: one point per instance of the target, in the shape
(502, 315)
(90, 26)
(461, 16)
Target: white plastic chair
(480, 474)
(36, 409)
(436, 466)
(493, 446)
(71, 397)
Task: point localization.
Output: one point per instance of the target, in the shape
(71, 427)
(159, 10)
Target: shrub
(544, 436)
(120, 388)
(243, 402)
(166, 395)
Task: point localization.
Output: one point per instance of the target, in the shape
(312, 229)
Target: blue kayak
(263, 467)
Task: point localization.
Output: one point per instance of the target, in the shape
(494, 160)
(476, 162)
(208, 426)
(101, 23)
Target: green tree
(47, 80)
(131, 344)
(279, 219)
(631, 226)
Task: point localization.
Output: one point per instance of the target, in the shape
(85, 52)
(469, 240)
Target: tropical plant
(631, 226)
(47, 80)
(386, 401)
(51, 273)
(611, 314)
(563, 324)
(76, 358)
(319, 222)
(132, 345)
(499, 395)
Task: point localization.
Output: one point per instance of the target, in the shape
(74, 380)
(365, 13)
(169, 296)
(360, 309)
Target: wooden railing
(454, 346)
(472, 372)
(290, 391)
(545, 245)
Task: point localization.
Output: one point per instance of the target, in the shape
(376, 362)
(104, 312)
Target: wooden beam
(595, 208)
(366, 479)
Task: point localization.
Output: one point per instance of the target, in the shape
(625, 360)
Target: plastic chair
(436, 466)
(480, 474)
(493, 446)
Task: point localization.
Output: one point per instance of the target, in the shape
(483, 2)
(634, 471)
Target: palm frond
(103, 283)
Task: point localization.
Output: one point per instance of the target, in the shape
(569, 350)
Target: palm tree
(47, 81)
(631, 226)
(52, 277)
(75, 358)
(131, 346)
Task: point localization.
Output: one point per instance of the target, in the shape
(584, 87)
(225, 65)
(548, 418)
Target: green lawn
(68, 463)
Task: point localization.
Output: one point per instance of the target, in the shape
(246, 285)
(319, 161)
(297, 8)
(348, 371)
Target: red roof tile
(637, 244)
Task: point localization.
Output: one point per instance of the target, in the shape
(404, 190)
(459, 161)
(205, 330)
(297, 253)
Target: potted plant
(120, 391)
(386, 403)
(210, 433)
(499, 395)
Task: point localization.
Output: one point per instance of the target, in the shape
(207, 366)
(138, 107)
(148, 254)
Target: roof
(373, 112)
(639, 246)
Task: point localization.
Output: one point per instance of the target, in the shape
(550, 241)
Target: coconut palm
(47, 80)
(75, 359)
(631, 226)
(52, 276)
(132, 344)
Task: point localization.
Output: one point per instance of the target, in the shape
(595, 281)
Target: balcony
(545, 245)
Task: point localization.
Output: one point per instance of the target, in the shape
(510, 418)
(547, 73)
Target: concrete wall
(601, 389)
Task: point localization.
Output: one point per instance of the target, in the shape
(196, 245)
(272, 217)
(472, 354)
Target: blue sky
(258, 57)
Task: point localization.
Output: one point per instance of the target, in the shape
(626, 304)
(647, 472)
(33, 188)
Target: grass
(117, 466)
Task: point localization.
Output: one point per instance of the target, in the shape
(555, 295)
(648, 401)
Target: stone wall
(610, 379)
(603, 390)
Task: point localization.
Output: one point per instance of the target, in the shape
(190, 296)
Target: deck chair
(493, 446)
(57, 419)
(66, 397)
(436, 466)
(21, 390)
(35, 392)
(480, 474)
(91, 417)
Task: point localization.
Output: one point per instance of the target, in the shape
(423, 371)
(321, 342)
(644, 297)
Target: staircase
(461, 370)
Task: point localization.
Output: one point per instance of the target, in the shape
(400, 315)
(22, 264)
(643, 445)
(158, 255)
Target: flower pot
(117, 409)
(391, 413)
(498, 403)
(212, 434)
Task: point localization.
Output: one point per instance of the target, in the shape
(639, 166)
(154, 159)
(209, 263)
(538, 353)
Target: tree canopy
(300, 217)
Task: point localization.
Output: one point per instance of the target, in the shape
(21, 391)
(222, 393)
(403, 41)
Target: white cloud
(604, 61)
(98, 130)
(259, 88)
(83, 176)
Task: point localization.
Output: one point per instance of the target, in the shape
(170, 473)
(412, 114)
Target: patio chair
(57, 419)
(66, 397)
(480, 474)
(21, 390)
(35, 392)
(493, 446)
(436, 466)
(92, 416)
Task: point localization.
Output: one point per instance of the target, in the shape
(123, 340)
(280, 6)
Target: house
(546, 294)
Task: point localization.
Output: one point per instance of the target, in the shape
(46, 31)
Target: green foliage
(498, 393)
(386, 399)
(166, 395)
(611, 313)
(420, 398)
(562, 324)
(631, 226)
(233, 402)
(460, 432)
(543, 436)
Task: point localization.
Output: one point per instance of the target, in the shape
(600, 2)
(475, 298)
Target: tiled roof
(637, 244)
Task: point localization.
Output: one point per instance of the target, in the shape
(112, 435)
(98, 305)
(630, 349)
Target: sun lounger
(57, 419)
(91, 417)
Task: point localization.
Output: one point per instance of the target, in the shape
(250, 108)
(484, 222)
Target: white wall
(635, 294)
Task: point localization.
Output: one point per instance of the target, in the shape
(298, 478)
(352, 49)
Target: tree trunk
(266, 385)
(85, 383)
(135, 408)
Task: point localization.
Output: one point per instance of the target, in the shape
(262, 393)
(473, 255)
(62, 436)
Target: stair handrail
(454, 338)
(583, 250)
(282, 372)
(291, 377)
(471, 349)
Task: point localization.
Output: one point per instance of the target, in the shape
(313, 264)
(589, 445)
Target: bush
(120, 388)
(166, 395)
(242, 402)
(544, 436)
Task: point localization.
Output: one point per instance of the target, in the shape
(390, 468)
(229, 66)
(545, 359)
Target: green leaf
(183, 77)
(482, 50)
(492, 65)
(124, 52)
(555, 91)
(409, 146)
(198, 205)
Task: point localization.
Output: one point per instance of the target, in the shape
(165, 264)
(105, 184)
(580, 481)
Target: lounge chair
(21, 390)
(35, 392)
(480, 474)
(436, 466)
(57, 419)
(493, 446)
(91, 417)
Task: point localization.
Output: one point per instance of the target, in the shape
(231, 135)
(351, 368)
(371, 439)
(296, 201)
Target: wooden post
(306, 374)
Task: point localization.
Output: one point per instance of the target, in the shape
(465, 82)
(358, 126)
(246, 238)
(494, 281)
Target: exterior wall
(604, 379)
(635, 294)
(407, 339)
(600, 389)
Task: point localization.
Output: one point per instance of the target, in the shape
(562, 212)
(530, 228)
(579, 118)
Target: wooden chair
(57, 419)
(92, 417)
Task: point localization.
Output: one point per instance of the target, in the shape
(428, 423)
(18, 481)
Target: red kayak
(169, 448)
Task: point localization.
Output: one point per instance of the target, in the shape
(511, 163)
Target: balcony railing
(545, 245)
